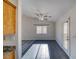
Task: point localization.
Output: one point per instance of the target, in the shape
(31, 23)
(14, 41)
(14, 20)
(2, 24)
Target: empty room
(44, 29)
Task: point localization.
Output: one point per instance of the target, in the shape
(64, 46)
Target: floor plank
(55, 51)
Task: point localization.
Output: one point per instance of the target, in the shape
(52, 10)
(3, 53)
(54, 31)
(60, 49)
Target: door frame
(68, 37)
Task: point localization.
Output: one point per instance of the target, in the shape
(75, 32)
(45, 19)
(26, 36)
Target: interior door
(9, 18)
(67, 35)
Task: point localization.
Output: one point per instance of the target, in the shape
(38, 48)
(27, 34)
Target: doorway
(67, 36)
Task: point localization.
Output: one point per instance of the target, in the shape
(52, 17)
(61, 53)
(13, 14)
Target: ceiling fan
(42, 16)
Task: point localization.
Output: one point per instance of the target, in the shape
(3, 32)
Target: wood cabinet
(9, 52)
(9, 18)
(9, 55)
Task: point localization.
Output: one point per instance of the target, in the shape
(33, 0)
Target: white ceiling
(55, 8)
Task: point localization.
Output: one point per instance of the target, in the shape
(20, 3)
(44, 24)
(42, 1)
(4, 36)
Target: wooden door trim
(9, 3)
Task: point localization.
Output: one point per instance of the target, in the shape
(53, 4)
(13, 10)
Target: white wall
(29, 30)
(59, 32)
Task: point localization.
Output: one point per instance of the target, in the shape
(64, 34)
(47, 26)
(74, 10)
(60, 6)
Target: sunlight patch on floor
(37, 51)
(43, 52)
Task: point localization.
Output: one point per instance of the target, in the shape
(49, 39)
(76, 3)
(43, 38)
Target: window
(41, 29)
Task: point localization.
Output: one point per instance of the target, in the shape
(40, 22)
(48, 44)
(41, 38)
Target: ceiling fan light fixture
(42, 16)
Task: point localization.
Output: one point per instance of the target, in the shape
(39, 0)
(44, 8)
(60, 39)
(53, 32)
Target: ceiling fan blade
(36, 14)
(45, 16)
(50, 16)
(41, 14)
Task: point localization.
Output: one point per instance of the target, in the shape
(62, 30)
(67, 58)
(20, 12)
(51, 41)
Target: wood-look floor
(36, 52)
